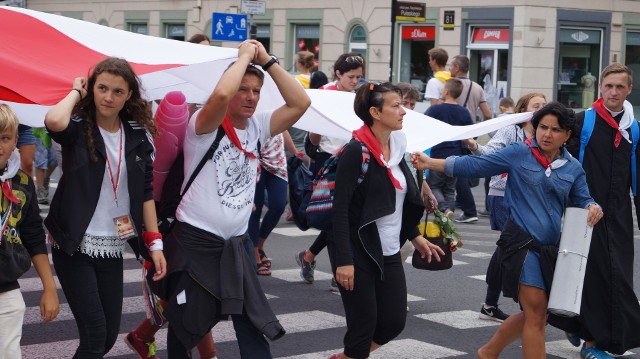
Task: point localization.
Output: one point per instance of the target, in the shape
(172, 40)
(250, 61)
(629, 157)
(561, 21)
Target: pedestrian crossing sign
(229, 27)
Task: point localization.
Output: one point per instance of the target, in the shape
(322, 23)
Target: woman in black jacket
(372, 220)
(103, 199)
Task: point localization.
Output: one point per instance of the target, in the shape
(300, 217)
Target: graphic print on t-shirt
(236, 176)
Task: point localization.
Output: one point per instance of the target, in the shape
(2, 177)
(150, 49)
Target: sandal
(262, 270)
(266, 261)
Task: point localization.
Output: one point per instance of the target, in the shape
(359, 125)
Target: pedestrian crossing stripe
(295, 232)
(564, 349)
(293, 275)
(299, 322)
(403, 348)
(463, 319)
(482, 277)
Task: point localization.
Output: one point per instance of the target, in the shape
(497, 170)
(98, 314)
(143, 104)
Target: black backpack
(171, 195)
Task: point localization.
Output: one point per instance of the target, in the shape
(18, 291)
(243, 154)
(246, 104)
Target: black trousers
(376, 309)
(93, 288)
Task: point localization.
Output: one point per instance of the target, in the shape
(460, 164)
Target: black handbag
(309, 148)
(14, 261)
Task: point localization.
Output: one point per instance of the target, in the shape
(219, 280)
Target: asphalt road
(442, 321)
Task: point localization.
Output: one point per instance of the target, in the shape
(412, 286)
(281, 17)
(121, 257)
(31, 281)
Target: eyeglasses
(355, 58)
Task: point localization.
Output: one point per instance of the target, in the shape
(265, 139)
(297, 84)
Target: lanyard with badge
(121, 219)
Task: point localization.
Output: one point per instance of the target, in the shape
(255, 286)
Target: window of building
(263, 35)
(413, 66)
(579, 62)
(139, 28)
(175, 31)
(307, 38)
(357, 41)
(632, 60)
(489, 55)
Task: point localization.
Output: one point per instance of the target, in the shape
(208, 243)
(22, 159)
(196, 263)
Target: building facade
(554, 47)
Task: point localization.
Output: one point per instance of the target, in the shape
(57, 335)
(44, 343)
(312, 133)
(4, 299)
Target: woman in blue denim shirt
(543, 180)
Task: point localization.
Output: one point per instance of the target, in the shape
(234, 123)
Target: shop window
(263, 34)
(175, 31)
(578, 66)
(139, 28)
(307, 38)
(414, 46)
(632, 60)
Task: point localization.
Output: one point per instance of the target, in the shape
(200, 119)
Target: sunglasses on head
(355, 58)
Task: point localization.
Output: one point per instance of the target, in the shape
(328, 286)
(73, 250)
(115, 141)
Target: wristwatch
(272, 61)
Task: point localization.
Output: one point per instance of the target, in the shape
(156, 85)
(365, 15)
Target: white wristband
(156, 245)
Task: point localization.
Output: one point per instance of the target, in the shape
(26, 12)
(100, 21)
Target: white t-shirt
(101, 239)
(220, 199)
(434, 89)
(390, 225)
(331, 144)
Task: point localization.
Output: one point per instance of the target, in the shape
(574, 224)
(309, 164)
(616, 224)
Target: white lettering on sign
(492, 33)
(580, 36)
(417, 34)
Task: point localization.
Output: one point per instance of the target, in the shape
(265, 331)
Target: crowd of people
(533, 171)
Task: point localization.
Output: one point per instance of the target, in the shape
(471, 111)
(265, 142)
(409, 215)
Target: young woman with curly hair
(103, 199)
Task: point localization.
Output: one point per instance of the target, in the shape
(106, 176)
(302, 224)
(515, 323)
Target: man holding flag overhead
(211, 274)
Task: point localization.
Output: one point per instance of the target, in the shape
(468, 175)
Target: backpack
(171, 194)
(311, 199)
(309, 148)
(585, 135)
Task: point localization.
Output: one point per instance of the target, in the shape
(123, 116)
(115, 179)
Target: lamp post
(394, 5)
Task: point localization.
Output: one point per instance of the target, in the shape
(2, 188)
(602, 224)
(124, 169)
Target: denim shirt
(536, 202)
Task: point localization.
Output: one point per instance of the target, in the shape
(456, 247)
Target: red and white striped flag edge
(41, 54)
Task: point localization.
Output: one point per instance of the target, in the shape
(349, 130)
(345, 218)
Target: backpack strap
(587, 130)
(366, 158)
(203, 161)
(585, 135)
(635, 135)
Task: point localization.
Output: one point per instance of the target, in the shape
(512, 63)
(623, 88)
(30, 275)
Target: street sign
(253, 7)
(411, 11)
(449, 22)
(229, 27)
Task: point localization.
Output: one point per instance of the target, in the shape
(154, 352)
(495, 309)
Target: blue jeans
(465, 197)
(93, 288)
(277, 191)
(251, 342)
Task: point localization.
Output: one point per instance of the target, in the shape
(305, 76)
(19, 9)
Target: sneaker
(448, 213)
(43, 195)
(483, 213)
(144, 350)
(573, 338)
(492, 313)
(593, 353)
(334, 285)
(464, 219)
(306, 268)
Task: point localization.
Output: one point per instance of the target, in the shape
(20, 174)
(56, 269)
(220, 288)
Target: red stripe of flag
(38, 62)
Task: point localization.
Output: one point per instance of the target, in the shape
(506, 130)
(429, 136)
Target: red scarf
(364, 135)
(606, 116)
(7, 192)
(230, 131)
(539, 157)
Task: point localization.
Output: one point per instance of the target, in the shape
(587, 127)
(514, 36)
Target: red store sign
(418, 32)
(490, 35)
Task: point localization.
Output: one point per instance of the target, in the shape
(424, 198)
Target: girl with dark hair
(544, 179)
(104, 197)
(372, 220)
(318, 79)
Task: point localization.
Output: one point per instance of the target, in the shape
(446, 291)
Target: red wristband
(149, 237)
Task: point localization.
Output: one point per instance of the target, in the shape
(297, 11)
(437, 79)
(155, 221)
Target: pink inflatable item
(171, 118)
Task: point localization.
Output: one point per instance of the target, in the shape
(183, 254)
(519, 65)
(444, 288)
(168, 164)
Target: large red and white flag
(41, 54)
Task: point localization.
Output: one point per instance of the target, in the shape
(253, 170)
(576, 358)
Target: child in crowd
(22, 238)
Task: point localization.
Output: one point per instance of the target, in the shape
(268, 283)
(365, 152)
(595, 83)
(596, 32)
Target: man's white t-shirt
(434, 89)
(220, 199)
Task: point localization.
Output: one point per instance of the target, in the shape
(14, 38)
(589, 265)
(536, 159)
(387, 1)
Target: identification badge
(124, 227)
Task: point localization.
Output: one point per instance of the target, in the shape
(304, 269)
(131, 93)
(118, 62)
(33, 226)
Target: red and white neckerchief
(557, 163)
(114, 184)
(8, 194)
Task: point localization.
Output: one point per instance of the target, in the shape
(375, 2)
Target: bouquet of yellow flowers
(448, 229)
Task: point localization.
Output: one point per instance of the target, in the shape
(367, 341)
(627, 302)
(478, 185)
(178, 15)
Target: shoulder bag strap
(203, 161)
(468, 93)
